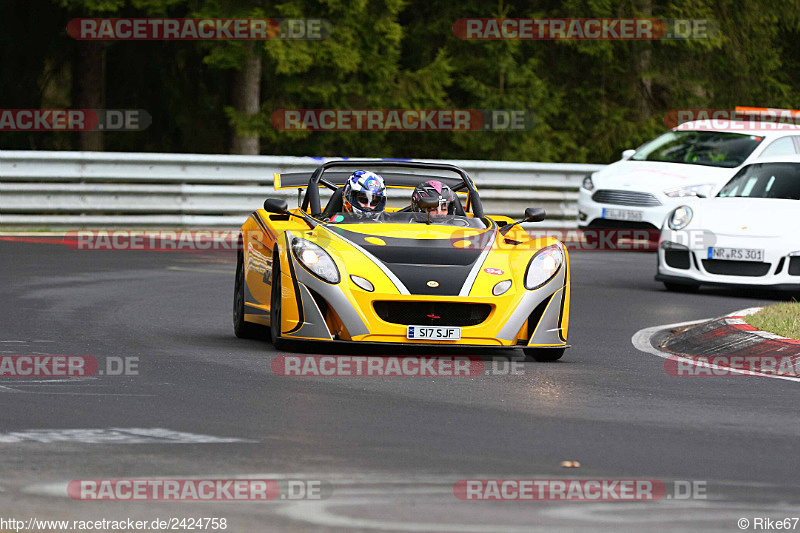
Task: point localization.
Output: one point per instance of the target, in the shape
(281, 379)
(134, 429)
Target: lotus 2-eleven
(410, 274)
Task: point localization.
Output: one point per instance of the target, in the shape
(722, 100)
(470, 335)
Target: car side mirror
(428, 202)
(627, 154)
(276, 205)
(534, 214)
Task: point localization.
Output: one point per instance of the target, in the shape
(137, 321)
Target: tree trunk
(89, 83)
(247, 100)
(644, 59)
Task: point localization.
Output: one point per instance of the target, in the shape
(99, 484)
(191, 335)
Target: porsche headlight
(680, 218)
(316, 260)
(543, 266)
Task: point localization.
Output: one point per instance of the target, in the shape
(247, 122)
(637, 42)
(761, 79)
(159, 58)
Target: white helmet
(364, 191)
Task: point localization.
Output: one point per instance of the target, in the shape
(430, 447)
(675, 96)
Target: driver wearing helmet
(364, 193)
(433, 190)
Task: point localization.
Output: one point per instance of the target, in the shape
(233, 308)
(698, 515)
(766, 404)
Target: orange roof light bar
(768, 111)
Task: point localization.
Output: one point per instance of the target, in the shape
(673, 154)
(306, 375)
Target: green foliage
(591, 99)
(91, 7)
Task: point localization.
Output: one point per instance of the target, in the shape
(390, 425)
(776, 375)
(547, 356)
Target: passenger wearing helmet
(364, 192)
(433, 190)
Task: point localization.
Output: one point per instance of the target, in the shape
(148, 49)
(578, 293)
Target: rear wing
(400, 180)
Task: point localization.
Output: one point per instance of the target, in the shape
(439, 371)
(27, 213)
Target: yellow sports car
(432, 270)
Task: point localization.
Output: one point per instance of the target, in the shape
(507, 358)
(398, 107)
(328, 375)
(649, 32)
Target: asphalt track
(390, 447)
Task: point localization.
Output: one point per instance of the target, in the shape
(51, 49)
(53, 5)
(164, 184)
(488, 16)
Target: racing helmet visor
(368, 199)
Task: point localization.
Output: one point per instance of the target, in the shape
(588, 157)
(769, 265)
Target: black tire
(242, 329)
(680, 287)
(544, 355)
(275, 307)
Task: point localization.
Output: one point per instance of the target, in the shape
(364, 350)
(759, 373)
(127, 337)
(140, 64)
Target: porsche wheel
(242, 329)
(544, 355)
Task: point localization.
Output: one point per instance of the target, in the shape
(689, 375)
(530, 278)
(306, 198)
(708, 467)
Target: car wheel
(680, 287)
(242, 329)
(275, 307)
(543, 355)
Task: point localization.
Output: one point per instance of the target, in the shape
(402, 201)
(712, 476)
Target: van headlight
(316, 260)
(680, 218)
(588, 184)
(543, 266)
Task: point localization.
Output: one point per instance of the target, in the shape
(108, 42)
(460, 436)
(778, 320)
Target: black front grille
(736, 268)
(607, 196)
(677, 258)
(433, 313)
(607, 223)
(794, 266)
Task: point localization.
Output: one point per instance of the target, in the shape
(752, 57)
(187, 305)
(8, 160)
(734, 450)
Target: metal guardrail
(111, 189)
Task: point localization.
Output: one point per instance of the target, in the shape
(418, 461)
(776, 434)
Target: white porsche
(747, 235)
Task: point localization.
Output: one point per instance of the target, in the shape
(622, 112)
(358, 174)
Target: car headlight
(543, 266)
(316, 260)
(588, 184)
(701, 191)
(680, 218)
(502, 287)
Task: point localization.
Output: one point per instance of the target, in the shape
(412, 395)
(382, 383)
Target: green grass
(782, 319)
